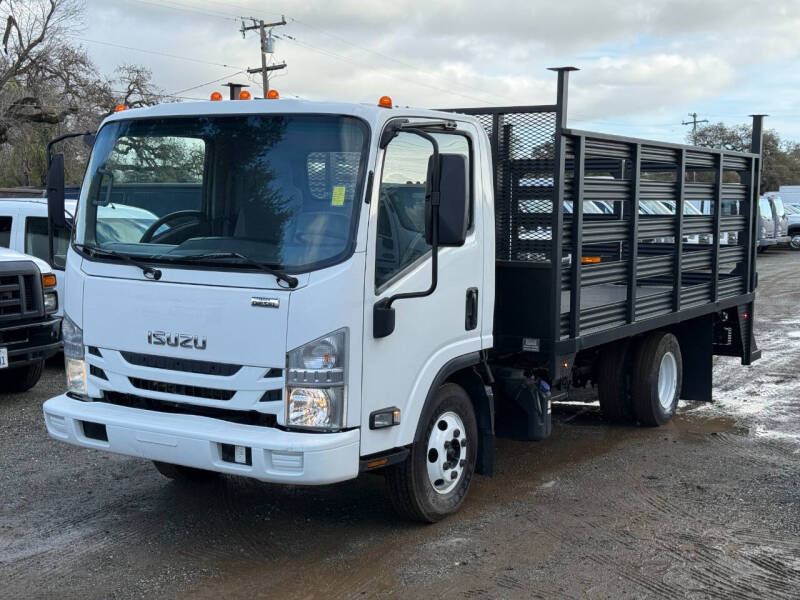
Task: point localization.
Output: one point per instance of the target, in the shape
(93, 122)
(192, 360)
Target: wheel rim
(447, 452)
(667, 380)
(795, 242)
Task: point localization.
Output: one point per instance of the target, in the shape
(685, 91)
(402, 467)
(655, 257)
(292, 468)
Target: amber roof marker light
(244, 95)
(273, 95)
(385, 102)
(120, 108)
(216, 96)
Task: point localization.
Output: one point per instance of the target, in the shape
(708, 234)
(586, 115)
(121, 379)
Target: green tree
(780, 159)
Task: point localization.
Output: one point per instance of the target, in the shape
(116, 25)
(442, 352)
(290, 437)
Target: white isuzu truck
(327, 289)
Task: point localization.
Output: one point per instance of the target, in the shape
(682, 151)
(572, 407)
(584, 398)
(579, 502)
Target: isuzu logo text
(184, 340)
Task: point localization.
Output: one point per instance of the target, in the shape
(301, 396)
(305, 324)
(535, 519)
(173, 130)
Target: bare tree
(49, 86)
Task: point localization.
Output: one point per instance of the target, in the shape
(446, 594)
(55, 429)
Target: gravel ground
(705, 507)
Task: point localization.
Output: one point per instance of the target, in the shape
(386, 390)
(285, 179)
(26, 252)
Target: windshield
(282, 190)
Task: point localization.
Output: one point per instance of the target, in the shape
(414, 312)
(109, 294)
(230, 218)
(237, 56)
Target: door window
(37, 244)
(401, 204)
(5, 231)
(766, 209)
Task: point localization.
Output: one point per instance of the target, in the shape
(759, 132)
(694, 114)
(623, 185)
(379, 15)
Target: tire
(614, 383)
(20, 379)
(184, 474)
(413, 484)
(794, 242)
(656, 378)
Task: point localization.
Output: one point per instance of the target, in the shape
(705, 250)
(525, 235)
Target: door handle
(471, 313)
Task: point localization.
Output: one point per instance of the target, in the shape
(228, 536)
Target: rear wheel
(656, 378)
(20, 379)
(182, 473)
(613, 382)
(433, 481)
(794, 242)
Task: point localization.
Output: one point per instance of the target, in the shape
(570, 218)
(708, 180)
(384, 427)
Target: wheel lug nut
(456, 433)
(463, 462)
(453, 475)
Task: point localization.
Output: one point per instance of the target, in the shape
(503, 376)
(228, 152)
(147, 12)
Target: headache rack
(647, 233)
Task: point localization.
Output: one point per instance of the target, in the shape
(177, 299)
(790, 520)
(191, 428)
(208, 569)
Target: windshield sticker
(337, 198)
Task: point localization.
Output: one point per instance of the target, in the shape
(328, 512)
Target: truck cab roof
(368, 112)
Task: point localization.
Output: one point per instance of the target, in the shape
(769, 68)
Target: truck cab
(29, 331)
(249, 299)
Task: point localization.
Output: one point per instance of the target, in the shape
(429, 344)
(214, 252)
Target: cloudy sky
(644, 64)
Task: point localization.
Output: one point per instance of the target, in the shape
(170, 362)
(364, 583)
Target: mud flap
(524, 407)
(696, 338)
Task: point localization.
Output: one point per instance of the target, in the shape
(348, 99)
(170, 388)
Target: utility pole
(694, 123)
(266, 48)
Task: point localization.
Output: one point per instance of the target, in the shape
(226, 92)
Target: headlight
(50, 302)
(73, 356)
(316, 383)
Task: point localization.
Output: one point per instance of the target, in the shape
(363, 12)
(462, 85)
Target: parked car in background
(30, 332)
(793, 214)
(790, 194)
(773, 221)
(23, 227)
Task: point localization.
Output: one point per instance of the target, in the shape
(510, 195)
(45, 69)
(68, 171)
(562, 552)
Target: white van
(23, 227)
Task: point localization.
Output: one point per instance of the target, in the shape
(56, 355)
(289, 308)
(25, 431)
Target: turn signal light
(244, 95)
(273, 95)
(385, 102)
(120, 108)
(48, 280)
(216, 96)
(589, 260)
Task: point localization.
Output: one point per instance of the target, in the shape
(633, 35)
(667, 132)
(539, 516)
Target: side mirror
(55, 191)
(454, 200)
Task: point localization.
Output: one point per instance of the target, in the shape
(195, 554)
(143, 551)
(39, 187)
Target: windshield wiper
(278, 274)
(149, 272)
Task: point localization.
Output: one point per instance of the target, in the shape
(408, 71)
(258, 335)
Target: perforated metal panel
(523, 142)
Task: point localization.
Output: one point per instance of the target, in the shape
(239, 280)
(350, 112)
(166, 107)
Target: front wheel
(21, 379)
(794, 243)
(433, 481)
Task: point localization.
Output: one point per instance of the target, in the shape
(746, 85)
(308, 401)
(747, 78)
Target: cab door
(399, 369)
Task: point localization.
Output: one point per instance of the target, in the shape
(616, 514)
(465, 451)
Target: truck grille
(180, 389)
(20, 292)
(167, 363)
(245, 417)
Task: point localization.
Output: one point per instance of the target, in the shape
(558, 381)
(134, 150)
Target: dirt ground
(706, 507)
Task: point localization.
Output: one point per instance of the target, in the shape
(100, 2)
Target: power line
(179, 7)
(175, 95)
(157, 53)
(387, 75)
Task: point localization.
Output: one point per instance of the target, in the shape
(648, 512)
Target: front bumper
(194, 441)
(30, 343)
